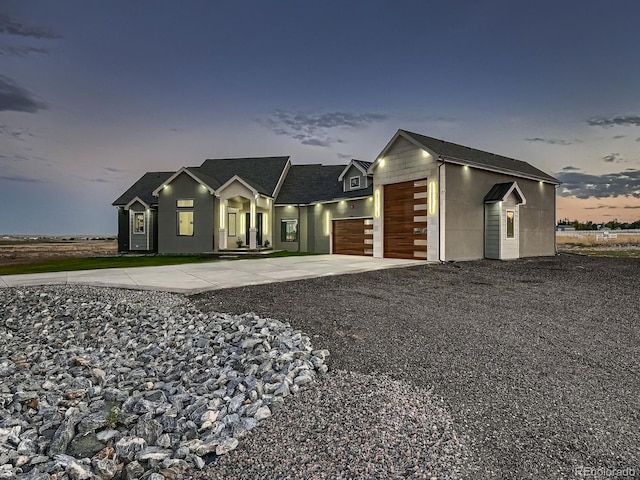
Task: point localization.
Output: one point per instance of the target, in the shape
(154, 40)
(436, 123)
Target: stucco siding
(202, 240)
(465, 191)
(538, 219)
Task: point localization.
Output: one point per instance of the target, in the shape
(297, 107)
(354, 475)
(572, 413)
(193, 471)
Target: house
(421, 198)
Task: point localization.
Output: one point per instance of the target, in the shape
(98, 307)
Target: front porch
(244, 218)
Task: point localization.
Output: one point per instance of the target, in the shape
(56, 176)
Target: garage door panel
(353, 237)
(405, 225)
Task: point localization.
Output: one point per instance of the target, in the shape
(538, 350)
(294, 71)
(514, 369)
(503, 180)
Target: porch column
(253, 230)
(222, 231)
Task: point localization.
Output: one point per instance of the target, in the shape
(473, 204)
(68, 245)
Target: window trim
(283, 233)
(351, 179)
(137, 231)
(513, 224)
(188, 205)
(178, 213)
(231, 233)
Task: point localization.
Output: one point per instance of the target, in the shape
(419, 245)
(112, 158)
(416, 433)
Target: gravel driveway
(537, 360)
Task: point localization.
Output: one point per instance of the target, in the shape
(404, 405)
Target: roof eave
(186, 170)
(489, 168)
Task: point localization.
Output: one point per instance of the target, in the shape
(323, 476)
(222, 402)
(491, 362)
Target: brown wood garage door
(353, 236)
(405, 220)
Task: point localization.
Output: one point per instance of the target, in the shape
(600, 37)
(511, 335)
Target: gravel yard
(537, 360)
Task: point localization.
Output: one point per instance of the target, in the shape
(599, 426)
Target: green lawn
(92, 263)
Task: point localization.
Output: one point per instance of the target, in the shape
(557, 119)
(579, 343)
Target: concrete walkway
(200, 277)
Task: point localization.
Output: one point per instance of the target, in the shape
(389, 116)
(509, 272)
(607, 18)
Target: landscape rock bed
(124, 384)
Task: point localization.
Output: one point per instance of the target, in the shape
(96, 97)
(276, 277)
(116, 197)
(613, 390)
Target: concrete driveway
(201, 277)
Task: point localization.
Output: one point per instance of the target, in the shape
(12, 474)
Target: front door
(258, 226)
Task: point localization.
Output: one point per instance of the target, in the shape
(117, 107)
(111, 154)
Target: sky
(95, 94)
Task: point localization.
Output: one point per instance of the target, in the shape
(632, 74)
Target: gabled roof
(134, 200)
(501, 191)
(188, 171)
(359, 164)
(459, 154)
(143, 188)
(316, 183)
(262, 173)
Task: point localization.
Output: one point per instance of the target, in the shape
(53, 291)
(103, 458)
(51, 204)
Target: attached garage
(405, 220)
(353, 236)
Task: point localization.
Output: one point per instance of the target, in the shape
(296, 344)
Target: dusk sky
(95, 93)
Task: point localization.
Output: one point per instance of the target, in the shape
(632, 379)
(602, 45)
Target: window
(231, 221)
(355, 182)
(185, 223)
(511, 223)
(289, 230)
(138, 222)
(185, 203)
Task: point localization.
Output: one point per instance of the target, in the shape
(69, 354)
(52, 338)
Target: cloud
(17, 133)
(14, 158)
(113, 169)
(344, 156)
(570, 169)
(14, 27)
(638, 139)
(17, 99)
(618, 120)
(313, 129)
(631, 206)
(618, 137)
(19, 178)
(598, 207)
(610, 185)
(612, 157)
(553, 141)
(21, 51)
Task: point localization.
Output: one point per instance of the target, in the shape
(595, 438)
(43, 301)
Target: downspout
(440, 212)
(555, 216)
(299, 228)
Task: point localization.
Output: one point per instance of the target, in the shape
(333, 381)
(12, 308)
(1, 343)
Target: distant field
(610, 244)
(22, 252)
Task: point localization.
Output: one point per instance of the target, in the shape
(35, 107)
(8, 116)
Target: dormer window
(354, 182)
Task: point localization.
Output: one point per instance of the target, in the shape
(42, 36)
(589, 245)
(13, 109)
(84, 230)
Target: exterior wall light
(433, 197)
(376, 203)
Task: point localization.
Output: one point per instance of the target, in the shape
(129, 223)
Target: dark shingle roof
(316, 183)
(262, 173)
(497, 192)
(143, 188)
(479, 157)
(363, 164)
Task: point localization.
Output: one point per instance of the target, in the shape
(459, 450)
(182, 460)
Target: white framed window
(511, 224)
(138, 222)
(185, 224)
(184, 203)
(354, 182)
(289, 230)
